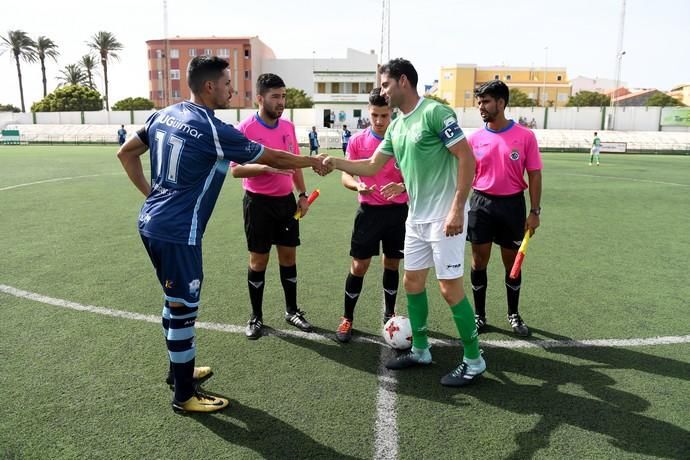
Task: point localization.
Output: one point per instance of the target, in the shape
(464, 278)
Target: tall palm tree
(88, 63)
(22, 47)
(72, 74)
(106, 45)
(45, 47)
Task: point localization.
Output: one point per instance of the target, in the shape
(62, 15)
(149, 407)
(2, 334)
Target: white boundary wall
(584, 118)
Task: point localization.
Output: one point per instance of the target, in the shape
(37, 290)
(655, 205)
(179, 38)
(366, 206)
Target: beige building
(682, 93)
(547, 86)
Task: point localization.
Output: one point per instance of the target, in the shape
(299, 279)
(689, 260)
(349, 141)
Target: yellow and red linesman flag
(515, 271)
(314, 195)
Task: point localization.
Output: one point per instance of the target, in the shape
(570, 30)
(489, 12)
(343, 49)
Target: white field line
(57, 179)
(624, 178)
(386, 428)
(516, 343)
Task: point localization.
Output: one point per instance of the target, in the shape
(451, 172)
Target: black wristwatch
(303, 195)
(535, 211)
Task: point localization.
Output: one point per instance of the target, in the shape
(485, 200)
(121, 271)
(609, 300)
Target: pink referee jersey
(280, 137)
(503, 157)
(362, 146)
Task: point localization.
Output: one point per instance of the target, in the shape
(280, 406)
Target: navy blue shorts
(179, 270)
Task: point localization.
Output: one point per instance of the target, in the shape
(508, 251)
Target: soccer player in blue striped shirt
(190, 151)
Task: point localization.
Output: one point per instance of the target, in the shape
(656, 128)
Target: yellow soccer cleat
(200, 403)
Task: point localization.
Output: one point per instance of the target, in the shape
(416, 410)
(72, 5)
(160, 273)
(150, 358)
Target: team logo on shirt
(194, 288)
(514, 155)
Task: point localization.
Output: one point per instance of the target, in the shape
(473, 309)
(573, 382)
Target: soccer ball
(397, 332)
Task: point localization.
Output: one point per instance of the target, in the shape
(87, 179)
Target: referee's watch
(535, 211)
(303, 195)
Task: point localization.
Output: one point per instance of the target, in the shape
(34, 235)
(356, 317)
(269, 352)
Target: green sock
(418, 309)
(463, 315)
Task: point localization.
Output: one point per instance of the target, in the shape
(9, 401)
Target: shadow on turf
(606, 410)
(266, 435)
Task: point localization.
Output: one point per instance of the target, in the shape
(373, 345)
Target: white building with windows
(339, 87)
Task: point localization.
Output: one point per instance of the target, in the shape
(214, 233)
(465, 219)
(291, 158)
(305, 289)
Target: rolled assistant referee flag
(517, 265)
(312, 196)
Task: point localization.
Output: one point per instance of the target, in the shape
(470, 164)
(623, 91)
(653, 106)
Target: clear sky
(580, 35)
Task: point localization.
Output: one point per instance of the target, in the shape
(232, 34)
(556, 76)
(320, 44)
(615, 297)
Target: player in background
(189, 149)
(380, 219)
(345, 136)
(269, 205)
(121, 135)
(313, 141)
(504, 151)
(596, 148)
(437, 164)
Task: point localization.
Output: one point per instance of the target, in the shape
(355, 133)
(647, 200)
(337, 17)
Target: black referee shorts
(497, 219)
(269, 220)
(377, 226)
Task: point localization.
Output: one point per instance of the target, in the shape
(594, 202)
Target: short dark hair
(376, 99)
(595, 133)
(495, 89)
(396, 68)
(204, 68)
(268, 81)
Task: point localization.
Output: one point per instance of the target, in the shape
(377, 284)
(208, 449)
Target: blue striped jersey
(190, 151)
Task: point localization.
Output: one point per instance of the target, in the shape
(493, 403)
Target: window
(562, 97)
(246, 54)
(335, 87)
(223, 52)
(192, 52)
(559, 77)
(508, 77)
(321, 88)
(174, 53)
(160, 75)
(208, 52)
(175, 94)
(248, 95)
(247, 75)
(357, 113)
(355, 88)
(174, 74)
(370, 86)
(448, 75)
(159, 54)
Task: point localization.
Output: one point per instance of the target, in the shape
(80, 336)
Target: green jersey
(419, 141)
(596, 142)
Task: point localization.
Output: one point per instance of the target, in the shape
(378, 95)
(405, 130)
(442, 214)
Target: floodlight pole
(619, 59)
(546, 63)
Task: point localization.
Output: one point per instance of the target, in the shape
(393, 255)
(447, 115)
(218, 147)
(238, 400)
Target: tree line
(76, 82)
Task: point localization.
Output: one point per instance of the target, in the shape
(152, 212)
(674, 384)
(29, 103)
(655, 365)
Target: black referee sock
(479, 281)
(353, 287)
(513, 292)
(391, 278)
(256, 282)
(288, 278)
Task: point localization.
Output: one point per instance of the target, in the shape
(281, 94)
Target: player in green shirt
(438, 166)
(596, 148)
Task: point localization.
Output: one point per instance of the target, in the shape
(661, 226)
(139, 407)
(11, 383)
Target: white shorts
(426, 246)
(595, 150)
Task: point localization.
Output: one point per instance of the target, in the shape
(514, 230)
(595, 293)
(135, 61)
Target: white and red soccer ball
(397, 332)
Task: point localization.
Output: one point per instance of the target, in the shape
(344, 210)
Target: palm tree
(72, 74)
(21, 46)
(106, 45)
(88, 63)
(45, 47)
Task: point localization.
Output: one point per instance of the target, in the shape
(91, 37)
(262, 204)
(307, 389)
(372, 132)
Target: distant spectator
(121, 135)
(533, 124)
(346, 138)
(313, 141)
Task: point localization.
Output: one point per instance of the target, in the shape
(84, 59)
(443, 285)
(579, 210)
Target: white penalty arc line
(56, 179)
(231, 328)
(631, 179)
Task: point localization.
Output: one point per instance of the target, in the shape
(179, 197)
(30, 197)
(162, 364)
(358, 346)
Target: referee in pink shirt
(504, 151)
